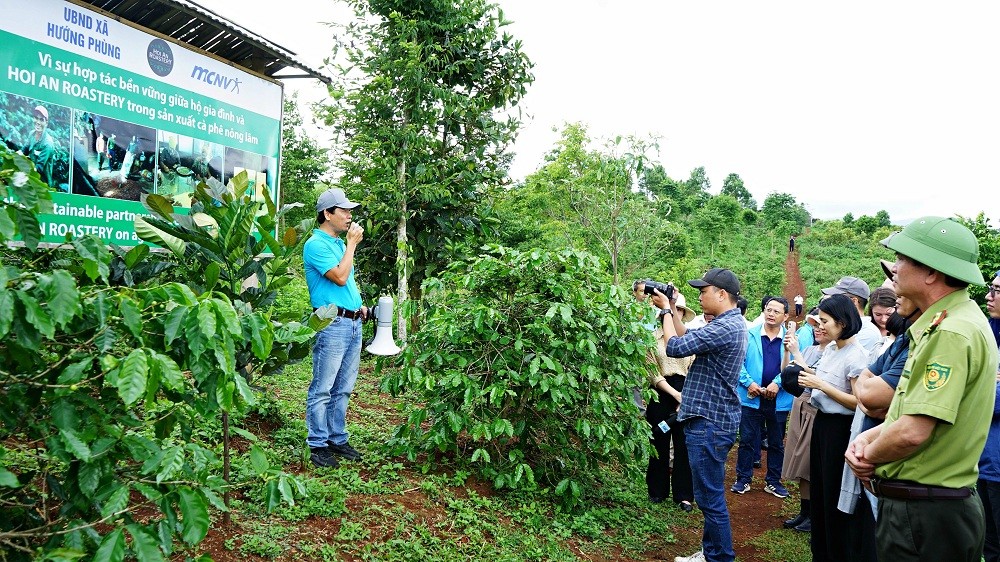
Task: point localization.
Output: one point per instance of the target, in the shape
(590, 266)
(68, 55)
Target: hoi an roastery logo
(160, 57)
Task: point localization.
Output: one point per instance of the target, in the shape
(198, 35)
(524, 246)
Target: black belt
(352, 314)
(904, 490)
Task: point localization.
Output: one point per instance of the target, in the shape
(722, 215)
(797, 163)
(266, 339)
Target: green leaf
(132, 317)
(75, 445)
(6, 311)
(173, 460)
(117, 502)
(8, 229)
(173, 322)
(132, 377)
(35, 316)
(246, 393)
(261, 335)
(27, 226)
(112, 548)
(96, 256)
(286, 490)
(194, 510)
(168, 370)
(259, 460)
(90, 477)
(144, 544)
(273, 495)
(214, 499)
(212, 276)
(62, 296)
(8, 479)
(136, 255)
(75, 372)
(159, 205)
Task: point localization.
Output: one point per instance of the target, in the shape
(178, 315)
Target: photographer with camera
(710, 410)
(661, 414)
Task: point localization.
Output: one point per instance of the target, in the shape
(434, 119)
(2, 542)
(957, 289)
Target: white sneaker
(696, 557)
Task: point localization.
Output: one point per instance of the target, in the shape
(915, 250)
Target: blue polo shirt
(320, 254)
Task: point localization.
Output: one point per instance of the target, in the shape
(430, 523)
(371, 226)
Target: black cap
(790, 380)
(718, 277)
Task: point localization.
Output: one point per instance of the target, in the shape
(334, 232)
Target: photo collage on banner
(109, 113)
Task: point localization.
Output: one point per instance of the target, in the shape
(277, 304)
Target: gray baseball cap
(334, 198)
(849, 286)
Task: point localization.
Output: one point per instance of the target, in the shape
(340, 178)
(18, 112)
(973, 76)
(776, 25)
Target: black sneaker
(321, 456)
(345, 450)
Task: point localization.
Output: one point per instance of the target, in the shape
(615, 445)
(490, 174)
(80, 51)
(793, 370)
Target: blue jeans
(336, 355)
(707, 449)
(751, 422)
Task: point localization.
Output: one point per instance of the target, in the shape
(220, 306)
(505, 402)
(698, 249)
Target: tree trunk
(226, 453)
(402, 272)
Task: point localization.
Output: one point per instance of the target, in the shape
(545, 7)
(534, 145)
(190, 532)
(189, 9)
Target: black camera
(665, 288)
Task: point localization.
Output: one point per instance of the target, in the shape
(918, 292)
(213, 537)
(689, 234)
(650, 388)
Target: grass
(384, 508)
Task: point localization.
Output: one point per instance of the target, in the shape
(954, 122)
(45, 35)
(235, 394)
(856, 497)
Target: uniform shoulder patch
(936, 376)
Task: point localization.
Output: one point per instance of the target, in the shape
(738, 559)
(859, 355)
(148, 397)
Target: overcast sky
(849, 106)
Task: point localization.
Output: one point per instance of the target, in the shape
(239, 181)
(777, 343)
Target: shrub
(526, 361)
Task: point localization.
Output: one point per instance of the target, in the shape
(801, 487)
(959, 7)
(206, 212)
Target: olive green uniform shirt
(950, 375)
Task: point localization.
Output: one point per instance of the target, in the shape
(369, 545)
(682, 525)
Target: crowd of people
(882, 406)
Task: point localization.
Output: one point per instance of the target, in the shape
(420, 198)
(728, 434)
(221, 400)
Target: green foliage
(229, 245)
(29, 195)
(424, 104)
(584, 199)
(104, 391)
(989, 251)
(717, 217)
(304, 165)
(524, 362)
(779, 207)
(733, 187)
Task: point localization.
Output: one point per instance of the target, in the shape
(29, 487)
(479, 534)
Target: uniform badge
(936, 376)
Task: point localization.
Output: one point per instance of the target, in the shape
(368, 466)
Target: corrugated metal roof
(202, 28)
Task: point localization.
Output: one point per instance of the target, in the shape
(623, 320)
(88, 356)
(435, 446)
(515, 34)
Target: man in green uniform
(922, 462)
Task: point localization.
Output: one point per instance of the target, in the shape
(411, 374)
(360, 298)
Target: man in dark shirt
(710, 406)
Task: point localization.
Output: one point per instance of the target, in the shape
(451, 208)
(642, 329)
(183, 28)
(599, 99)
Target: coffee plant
(525, 363)
(104, 389)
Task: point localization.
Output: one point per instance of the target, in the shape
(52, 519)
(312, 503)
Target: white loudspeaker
(383, 343)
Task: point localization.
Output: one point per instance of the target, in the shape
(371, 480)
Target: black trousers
(658, 474)
(830, 526)
(989, 492)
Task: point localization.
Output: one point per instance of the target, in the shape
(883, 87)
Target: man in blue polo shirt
(329, 265)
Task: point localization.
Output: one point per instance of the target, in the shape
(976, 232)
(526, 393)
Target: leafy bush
(525, 362)
(103, 391)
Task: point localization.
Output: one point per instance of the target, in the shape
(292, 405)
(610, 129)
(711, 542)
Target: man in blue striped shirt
(710, 406)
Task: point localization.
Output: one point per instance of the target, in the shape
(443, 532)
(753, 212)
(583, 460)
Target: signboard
(109, 112)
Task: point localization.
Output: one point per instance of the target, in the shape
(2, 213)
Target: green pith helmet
(941, 244)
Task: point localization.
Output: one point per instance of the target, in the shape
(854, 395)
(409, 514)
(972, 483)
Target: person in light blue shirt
(329, 267)
(764, 404)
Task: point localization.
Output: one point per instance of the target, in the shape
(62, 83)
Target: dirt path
(794, 285)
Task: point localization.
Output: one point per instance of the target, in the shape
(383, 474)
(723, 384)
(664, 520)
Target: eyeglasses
(994, 289)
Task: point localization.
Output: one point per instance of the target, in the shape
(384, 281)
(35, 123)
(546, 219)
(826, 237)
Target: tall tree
(783, 206)
(733, 186)
(303, 165)
(425, 105)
